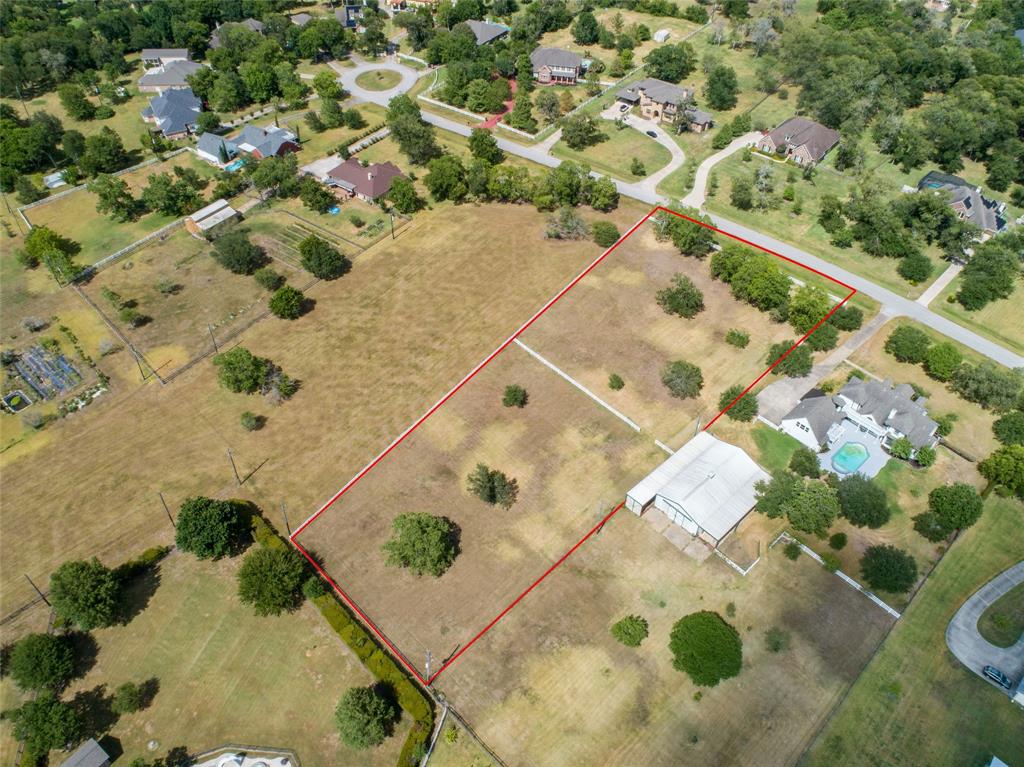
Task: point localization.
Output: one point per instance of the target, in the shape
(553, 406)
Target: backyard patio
(851, 449)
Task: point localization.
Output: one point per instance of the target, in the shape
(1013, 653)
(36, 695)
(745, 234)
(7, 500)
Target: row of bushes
(375, 658)
(360, 136)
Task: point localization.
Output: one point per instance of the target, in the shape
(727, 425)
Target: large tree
(322, 259)
(863, 502)
(414, 136)
(86, 594)
(706, 648)
(693, 237)
(721, 87)
(42, 662)
(1006, 467)
(682, 297)
(813, 508)
(950, 508)
(208, 527)
(237, 254)
(743, 409)
(671, 62)
(364, 717)
(908, 344)
(682, 379)
(45, 724)
(423, 543)
(241, 371)
(807, 307)
(271, 580)
(887, 568)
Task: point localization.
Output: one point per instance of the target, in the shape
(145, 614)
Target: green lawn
(915, 704)
(775, 448)
(1003, 622)
(615, 155)
(1001, 321)
(378, 80)
(75, 215)
(316, 145)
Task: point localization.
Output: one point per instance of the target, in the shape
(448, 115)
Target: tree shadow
(86, 651)
(112, 746)
(387, 692)
(95, 710)
(138, 592)
(454, 535)
(308, 305)
(176, 757)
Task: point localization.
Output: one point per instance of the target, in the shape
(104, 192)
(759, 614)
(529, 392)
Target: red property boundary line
(398, 440)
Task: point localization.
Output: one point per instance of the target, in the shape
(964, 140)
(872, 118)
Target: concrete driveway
(970, 647)
(649, 182)
(348, 75)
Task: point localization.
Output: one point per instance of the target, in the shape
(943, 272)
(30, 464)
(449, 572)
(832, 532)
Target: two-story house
(554, 66)
(803, 141)
(968, 202)
(658, 100)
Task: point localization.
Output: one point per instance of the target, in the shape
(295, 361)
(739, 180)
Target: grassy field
(227, 675)
(463, 751)
(378, 80)
(75, 215)
(915, 704)
(317, 145)
(1002, 623)
(383, 343)
(1001, 321)
(615, 154)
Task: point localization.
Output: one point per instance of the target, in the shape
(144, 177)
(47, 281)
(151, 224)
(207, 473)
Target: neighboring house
(349, 16)
(697, 120)
(252, 141)
(159, 57)
(873, 411)
(803, 141)
(301, 19)
(206, 218)
(174, 111)
(168, 76)
(253, 24)
(368, 183)
(557, 66)
(706, 487)
(658, 100)
(486, 32)
(968, 202)
(89, 754)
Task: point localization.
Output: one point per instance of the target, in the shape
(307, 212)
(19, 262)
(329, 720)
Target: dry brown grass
(383, 343)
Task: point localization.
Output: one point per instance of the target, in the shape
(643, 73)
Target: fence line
(472, 733)
(438, 727)
(108, 260)
(734, 565)
(139, 356)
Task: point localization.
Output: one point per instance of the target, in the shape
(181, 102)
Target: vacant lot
(550, 686)
(75, 216)
(616, 153)
(611, 323)
(383, 343)
(916, 704)
(1002, 321)
(226, 675)
(186, 295)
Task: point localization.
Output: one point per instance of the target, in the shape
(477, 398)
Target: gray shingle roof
(820, 412)
(985, 213)
(486, 32)
(171, 75)
(253, 24)
(266, 142)
(211, 144)
(89, 754)
(149, 54)
(175, 110)
(799, 131)
(656, 90)
(555, 57)
(893, 407)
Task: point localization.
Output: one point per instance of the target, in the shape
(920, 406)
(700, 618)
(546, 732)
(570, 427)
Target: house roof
(698, 116)
(164, 53)
(373, 181)
(712, 481)
(210, 143)
(89, 754)
(892, 406)
(820, 412)
(175, 110)
(347, 15)
(253, 24)
(172, 74)
(486, 32)
(301, 19)
(265, 141)
(799, 131)
(656, 90)
(213, 214)
(985, 213)
(555, 57)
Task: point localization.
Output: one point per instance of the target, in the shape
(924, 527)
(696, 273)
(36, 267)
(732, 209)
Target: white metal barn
(706, 487)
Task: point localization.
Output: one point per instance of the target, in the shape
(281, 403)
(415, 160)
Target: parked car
(624, 108)
(652, 134)
(998, 677)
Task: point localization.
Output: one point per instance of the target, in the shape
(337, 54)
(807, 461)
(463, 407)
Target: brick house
(658, 100)
(556, 66)
(803, 141)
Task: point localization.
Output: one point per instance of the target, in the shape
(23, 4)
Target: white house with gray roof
(89, 754)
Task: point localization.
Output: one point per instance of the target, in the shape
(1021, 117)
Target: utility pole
(210, 328)
(233, 468)
(285, 515)
(165, 508)
(428, 664)
(392, 225)
(41, 594)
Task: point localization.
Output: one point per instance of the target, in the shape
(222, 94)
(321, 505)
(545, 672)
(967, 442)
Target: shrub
(823, 339)
(364, 718)
(515, 396)
(776, 640)
(421, 542)
(41, 662)
(887, 568)
(863, 502)
(631, 630)
(683, 379)
(847, 317)
(240, 371)
(830, 561)
(313, 588)
(251, 421)
(605, 233)
(796, 364)
(805, 463)
(743, 409)
(492, 486)
(1009, 429)
(837, 541)
(792, 550)
(321, 259)
(737, 338)
(85, 594)
(267, 278)
(942, 360)
(615, 382)
(915, 267)
(209, 528)
(287, 303)
(925, 456)
(128, 698)
(901, 448)
(682, 298)
(637, 167)
(908, 344)
(706, 648)
(271, 580)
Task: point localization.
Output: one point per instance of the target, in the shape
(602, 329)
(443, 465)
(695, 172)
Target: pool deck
(877, 457)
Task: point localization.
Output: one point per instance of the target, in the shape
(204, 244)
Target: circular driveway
(348, 77)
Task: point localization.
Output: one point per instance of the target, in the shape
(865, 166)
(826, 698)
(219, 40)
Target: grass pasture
(616, 152)
(1001, 321)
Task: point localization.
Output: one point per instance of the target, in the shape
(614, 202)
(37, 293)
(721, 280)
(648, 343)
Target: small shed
(205, 219)
(707, 487)
(54, 180)
(661, 35)
(89, 754)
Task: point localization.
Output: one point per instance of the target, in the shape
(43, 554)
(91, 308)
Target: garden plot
(280, 233)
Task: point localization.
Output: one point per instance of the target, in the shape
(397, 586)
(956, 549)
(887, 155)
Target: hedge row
(375, 658)
(360, 136)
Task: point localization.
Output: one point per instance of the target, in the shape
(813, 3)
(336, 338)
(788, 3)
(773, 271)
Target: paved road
(969, 646)
(348, 75)
(894, 305)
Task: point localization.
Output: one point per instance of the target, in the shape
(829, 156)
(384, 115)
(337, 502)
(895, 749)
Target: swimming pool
(849, 457)
(236, 165)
